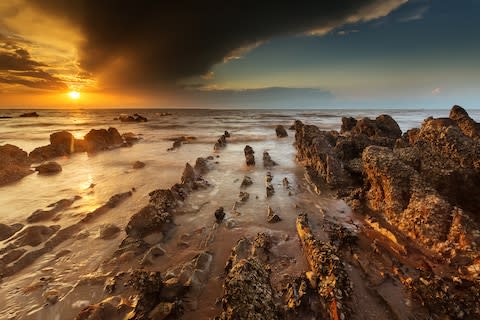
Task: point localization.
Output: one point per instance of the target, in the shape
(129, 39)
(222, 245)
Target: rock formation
(14, 164)
(280, 131)
(249, 157)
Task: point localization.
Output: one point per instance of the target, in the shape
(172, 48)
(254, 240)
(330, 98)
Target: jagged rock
(285, 183)
(219, 214)
(469, 127)
(329, 276)
(272, 217)
(247, 290)
(138, 165)
(147, 220)
(268, 177)
(221, 142)
(249, 157)
(243, 196)
(7, 231)
(247, 181)
(14, 164)
(201, 166)
(348, 123)
(29, 115)
(267, 160)
(226, 134)
(49, 168)
(280, 131)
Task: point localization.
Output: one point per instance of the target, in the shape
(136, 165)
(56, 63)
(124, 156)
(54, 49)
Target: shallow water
(111, 172)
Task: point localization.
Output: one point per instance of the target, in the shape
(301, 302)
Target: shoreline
(379, 261)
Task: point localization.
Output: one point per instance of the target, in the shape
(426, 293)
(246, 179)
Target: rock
(108, 231)
(149, 219)
(249, 157)
(188, 175)
(135, 118)
(51, 296)
(221, 142)
(270, 190)
(49, 168)
(226, 134)
(272, 216)
(201, 165)
(162, 311)
(33, 235)
(29, 115)
(5, 117)
(138, 165)
(466, 124)
(79, 145)
(130, 137)
(285, 183)
(14, 164)
(243, 196)
(280, 131)
(348, 123)
(268, 177)
(247, 181)
(219, 214)
(102, 139)
(41, 215)
(248, 293)
(7, 231)
(63, 141)
(267, 160)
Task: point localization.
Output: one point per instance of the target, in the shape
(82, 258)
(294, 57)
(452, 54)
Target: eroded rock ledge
(423, 185)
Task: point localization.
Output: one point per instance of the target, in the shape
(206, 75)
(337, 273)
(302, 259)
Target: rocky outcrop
(267, 160)
(423, 184)
(248, 293)
(63, 143)
(222, 141)
(14, 164)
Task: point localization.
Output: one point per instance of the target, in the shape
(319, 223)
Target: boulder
(14, 164)
(219, 214)
(49, 168)
(63, 141)
(280, 131)
(102, 139)
(467, 125)
(267, 160)
(135, 118)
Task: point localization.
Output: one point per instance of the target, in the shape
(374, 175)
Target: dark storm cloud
(166, 41)
(18, 68)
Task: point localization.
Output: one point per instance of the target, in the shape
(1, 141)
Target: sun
(74, 95)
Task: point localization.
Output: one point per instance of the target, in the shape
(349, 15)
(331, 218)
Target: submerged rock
(138, 165)
(247, 181)
(267, 160)
(135, 118)
(49, 168)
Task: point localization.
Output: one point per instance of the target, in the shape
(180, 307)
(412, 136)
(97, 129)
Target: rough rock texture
(248, 293)
(14, 164)
(49, 168)
(423, 185)
(102, 139)
(267, 160)
(280, 131)
(249, 157)
(329, 276)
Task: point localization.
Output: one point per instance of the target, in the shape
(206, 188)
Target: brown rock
(280, 131)
(63, 141)
(14, 164)
(249, 157)
(138, 165)
(49, 168)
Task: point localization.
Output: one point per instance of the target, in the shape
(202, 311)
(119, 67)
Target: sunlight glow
(74, 95)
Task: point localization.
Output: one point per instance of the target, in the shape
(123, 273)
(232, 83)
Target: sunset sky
(251, 54)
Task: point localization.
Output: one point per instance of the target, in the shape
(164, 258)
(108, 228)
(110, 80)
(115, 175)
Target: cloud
(436, 91)
(18, 68)
(414, 14)
(140, 43)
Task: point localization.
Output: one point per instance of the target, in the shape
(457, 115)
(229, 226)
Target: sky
(248, 54)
